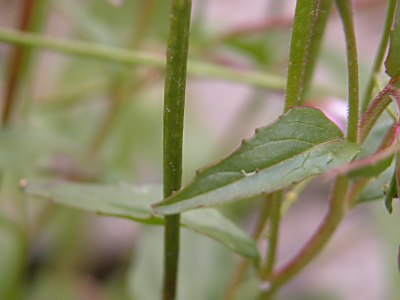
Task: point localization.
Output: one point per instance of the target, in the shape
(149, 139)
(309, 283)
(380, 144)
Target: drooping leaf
(134, 202)
(302, 143)
(392, 62)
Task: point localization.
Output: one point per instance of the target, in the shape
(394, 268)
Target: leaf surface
(302, 143)
(392, 62)
(134, 202)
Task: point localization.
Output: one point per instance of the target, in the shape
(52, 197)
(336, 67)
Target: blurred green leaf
(12, 259)
(134, 202)
(392, 62)
(22, 148)
(302, 143)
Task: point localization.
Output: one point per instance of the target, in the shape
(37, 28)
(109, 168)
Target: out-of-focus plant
(273, 166)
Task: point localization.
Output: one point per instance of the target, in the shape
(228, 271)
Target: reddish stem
(15, 67)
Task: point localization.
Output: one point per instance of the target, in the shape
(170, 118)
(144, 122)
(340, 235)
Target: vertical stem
(237, 277)
(275, 218)
(16, 64)
(318, 240)
(304, 21)
(345, 11)
(337, 207)
(174, 105)
(380, 55)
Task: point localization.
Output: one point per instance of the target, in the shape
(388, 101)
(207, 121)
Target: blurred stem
(129, 58)
(345, 11)
(118, 87)
(174, 107)
(380, 55)
(16, 62)
(144, 18)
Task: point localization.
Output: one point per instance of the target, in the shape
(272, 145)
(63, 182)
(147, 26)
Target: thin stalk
(241, 269)
(380, 55)
(129, 58)
(174, 106)
(274, 222)
(16, 66)
(345, 11)
(337, 207)
(303, 26)
(375, 109)
(118, 90)
(318, 240)
(142, 25)
(318, 30)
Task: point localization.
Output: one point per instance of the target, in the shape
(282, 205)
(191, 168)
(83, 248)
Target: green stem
(275, 217)
(129, 58)
(345, 11)
(380, 55)
(265, 214)
(318, 240)
(318, 31)
(304, 21)
(174, 106)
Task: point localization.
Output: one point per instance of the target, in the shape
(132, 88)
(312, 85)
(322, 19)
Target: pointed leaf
(392, 62)
(134, 202)
(391, 193)
(302, 143)
(377, 188)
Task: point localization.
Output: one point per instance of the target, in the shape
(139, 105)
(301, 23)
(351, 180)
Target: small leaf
(134, 202)
(391, 193)
(377, 188)
(302, 143)
(392, 62)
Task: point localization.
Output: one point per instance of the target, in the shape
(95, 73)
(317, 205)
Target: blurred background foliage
(96, 121)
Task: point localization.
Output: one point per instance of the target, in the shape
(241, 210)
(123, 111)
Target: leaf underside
(134, 202)
(302, 143)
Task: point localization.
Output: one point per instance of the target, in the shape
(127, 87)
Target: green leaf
(302, 143)
(391, 193)
(376, 189)
(23, 148)
(392, 62)
(134, 202)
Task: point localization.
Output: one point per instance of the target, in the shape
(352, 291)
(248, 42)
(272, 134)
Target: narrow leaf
(392, 62)
(391, 193)
(377, 188)
(302, 143)
(134, 202)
